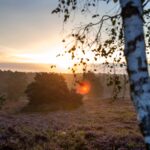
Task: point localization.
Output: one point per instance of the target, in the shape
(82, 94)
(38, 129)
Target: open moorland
(96, 125)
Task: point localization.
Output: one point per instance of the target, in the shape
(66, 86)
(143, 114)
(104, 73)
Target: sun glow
(83, 88)
(62, 62)
(48, 57)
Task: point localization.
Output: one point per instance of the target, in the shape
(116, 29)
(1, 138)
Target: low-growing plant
(2, 100)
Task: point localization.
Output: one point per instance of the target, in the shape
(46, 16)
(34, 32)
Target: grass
(97, 125)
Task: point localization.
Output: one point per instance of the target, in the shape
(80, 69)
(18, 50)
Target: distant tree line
(107, 85)
(50, 91)
(13, 84)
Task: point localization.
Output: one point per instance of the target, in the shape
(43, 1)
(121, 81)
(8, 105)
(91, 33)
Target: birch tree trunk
(135, 53)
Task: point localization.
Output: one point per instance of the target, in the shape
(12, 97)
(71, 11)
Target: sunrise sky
(30, 34)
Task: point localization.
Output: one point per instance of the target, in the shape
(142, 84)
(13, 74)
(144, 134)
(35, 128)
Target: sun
(83, 87)
(64, 63)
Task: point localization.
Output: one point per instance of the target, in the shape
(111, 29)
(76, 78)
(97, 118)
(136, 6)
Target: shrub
(49, 91)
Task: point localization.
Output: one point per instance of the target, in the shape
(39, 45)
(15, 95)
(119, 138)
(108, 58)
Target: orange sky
(30, 34)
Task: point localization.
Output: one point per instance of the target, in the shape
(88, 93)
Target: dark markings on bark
(143, 69)
(132, 44)
(139, 62)
(130, 10)
(147, 146)
(145, 123)
(137, 90)
(131, 71)
(140, 66)
(145, 62)
(137, 86)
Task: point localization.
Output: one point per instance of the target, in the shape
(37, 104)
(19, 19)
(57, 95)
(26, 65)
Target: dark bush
(49, 91)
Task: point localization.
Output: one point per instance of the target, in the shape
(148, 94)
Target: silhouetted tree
(50, 90)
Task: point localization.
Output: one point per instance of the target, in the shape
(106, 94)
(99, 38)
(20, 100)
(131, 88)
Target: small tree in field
(49, 91)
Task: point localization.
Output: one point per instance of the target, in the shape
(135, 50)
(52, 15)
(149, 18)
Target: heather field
(96, 125)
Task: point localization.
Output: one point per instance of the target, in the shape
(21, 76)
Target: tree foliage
(50, 90)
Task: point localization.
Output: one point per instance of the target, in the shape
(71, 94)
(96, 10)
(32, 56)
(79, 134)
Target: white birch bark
(135, 53)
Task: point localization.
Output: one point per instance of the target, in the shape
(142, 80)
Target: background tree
(13, 84)
(96, 85)
(126, 27)
(17, 82)
(49, 91)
